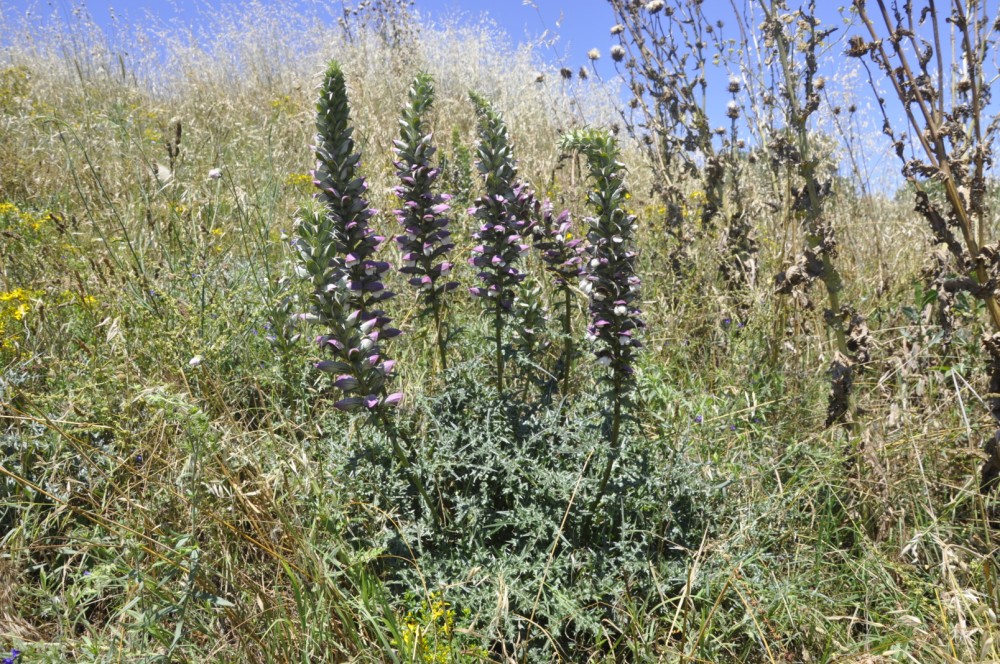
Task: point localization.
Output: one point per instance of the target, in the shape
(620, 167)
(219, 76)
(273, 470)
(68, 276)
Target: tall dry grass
(171, 489)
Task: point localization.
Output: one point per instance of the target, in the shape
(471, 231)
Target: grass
(176, 487)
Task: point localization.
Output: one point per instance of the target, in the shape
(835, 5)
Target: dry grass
(142, 494)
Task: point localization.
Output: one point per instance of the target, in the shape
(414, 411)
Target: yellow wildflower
(299, 180)
(14, 306)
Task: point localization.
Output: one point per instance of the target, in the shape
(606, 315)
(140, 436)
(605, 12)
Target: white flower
(215, 174)
(621, 310)
(604, 361)
(195, 361)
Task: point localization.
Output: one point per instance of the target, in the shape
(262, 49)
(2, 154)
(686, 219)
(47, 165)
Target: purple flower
(336, 249)
(562, 251)
(348, 403)
(425, 241)
(609, 270)
(504, 213)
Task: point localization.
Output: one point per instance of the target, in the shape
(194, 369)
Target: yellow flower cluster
(14, 306)
(11, 212)
(299, 180)
(696, 200)
(427, 633)
(283, 104)
(14, 86)
(68, 296)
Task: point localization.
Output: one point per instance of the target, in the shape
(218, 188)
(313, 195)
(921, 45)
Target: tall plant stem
(498, 338)
(616, 422)
(830, 277)
(436, 306)
(404, 460)
(568, 334)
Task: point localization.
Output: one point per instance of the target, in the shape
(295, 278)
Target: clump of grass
(174, 485)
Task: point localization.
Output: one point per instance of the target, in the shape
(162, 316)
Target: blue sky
(572, 27)
(576, 26)
(579, 24)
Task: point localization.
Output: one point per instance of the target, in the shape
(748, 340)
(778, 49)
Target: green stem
(498, 338)
(436, 305)
(567, 332)
(404, 460)
(616, 420)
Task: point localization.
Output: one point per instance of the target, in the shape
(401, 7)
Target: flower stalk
(610, 281)
(562, 252)
(336, 248)
(504, 214)
(425, 239)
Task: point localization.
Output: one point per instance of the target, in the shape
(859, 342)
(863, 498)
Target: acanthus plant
(425, 239)
(610, 281)
(336, 248)
(504, 213)
(562, 252)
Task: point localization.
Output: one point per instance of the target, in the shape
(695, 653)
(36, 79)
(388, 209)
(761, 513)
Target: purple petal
(346, 383)
(348, 403)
